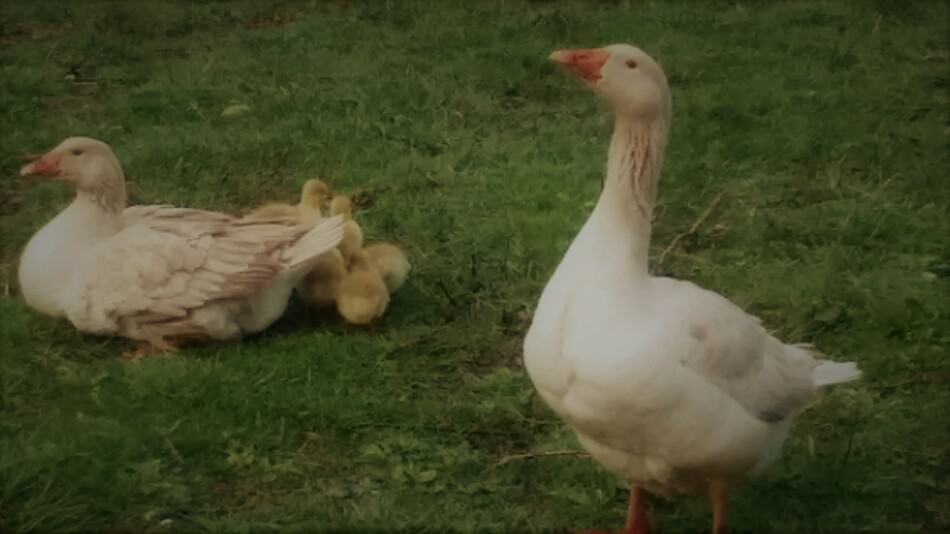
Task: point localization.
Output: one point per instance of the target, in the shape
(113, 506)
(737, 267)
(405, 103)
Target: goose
(391, 262)
(312, 195)
(159, 275)
(669, 386)
(320, 287)
(362, 297)
(352, 232)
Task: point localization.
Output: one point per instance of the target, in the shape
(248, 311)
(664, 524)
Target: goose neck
(95, 215)
(625, 207)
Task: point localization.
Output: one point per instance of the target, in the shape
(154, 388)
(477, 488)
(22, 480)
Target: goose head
(88, 164)
(625, 77)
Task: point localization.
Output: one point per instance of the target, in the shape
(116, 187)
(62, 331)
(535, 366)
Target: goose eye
(632, 63)
(77, 151)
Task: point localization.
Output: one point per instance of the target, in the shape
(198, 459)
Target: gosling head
(314, 192)
(360, 260)
(624, 76)
(342, 205)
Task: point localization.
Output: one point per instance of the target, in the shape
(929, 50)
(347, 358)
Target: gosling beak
(585, 62)
(47, 165)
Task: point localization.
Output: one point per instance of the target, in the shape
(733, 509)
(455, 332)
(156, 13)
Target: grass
(823, 124)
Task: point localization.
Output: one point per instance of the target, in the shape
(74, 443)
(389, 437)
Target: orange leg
(719, 497)
(148, 348)
(638, 521)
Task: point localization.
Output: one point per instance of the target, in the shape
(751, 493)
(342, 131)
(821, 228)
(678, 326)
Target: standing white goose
(158, 274)
(667, 385)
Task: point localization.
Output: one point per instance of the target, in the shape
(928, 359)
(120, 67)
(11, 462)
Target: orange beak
(585, 62)
(47, 164)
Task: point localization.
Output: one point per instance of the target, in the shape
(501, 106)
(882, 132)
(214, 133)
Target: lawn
(823, 126)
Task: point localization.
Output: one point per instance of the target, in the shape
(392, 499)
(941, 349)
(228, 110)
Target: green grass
(824, 124)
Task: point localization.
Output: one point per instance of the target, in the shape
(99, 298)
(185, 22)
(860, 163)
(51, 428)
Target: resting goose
(362, 297)
(352, 232)
(307, 210)
(391, 262)
(158, 274)
(667, 385)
